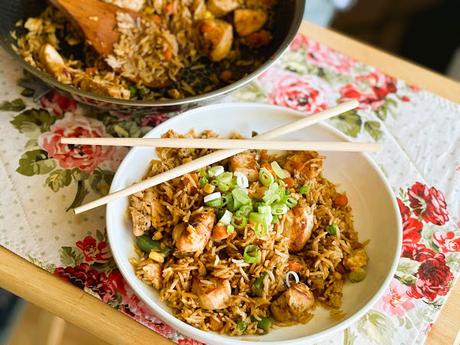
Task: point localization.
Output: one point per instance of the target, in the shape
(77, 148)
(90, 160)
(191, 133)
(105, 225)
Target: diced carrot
(289, 182)
(91, 70)
(226, 75)
(156, 18)
(295, 266)
(341, 200)
(219, 232)
(169, 9)
(167, 55)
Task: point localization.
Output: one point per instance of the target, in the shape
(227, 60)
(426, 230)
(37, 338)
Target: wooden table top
(74, 305)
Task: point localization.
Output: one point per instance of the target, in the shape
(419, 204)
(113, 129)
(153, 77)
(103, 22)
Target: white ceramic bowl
(375, 213)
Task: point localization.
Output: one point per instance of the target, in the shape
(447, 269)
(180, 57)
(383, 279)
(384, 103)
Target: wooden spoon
(96, 19)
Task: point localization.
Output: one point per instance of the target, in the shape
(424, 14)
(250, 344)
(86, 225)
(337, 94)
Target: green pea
(133, 91)
(146, 244)
(332, 229)
(357, 275)
(258, 285)
(241, 326)
(265, 323)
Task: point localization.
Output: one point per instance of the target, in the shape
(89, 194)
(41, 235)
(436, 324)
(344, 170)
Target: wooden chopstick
(248, 144)
(217, 156)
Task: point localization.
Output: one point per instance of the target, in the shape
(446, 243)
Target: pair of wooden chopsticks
(262, 141)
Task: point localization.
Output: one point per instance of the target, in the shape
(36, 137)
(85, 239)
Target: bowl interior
(375, 214)
(288, 16)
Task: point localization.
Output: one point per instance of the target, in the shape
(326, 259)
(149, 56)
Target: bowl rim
(272, 59)
(186, 329)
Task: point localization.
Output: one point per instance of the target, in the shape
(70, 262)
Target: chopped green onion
(357, 275)
(216, 170)
(265, 323)
(147, 244)
(271, 195)
(223, 187)
(203, 173)
(211, 197)
(241, 196)
(241, 180)
(278, 209)
(203, 181)
(230, 229)
(226, 218)
(257, 217)
(262, 223)
(257, 288)
(225, 177)
(278, 170)
(133, 91)
(227, 201)
(241, 326)
(304, 190)
(275, 218)
(244, 210)
(239, 222)
(265, 177)
(215, 203)
(291, 202)
(332, 229)
(264, 209)
(252, 254)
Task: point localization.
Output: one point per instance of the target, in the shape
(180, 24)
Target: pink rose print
(396, 301)
(58, 103)
(84, 157)
(94, 251)
(411, 226)
(298, 94)
(189, 341)
(153, 119)
(447, 241)
(433, 279)
(300, 41)
(323, 56)
(369, 90)
(428, 203)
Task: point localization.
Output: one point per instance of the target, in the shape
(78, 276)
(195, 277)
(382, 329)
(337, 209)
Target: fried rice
(254, 242)
(170, 49)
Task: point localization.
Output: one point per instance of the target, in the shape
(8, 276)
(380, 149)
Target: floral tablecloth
(41, 180)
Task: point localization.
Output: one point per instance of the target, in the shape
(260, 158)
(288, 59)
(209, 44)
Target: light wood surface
(75, 306)
(217, 156)
(248, 144)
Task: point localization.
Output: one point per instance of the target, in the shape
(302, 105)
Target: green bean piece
(146, 244)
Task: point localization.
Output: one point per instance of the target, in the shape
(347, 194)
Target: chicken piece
(219, 233)
(135, 5)
(258, 39)
(213, 296)
(151, 273)
(218, 38)
(141, 222)
(357, 259)
(245, 163)
(220, 8)
(304, 164)
(297, 224)
(192, 237)
(248, 21)
(54, 64)
(103, 87)
(293, 303)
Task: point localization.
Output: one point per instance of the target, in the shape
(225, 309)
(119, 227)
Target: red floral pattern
(433, 279)
(411, 226)
(447, 241)
(84, 157)
(370, 90)
(92, 250)
(58, 103)
(83, 276)
(428, 203)
(152, 120)
(298, 94)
